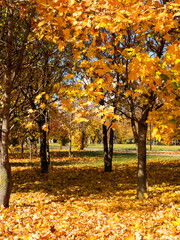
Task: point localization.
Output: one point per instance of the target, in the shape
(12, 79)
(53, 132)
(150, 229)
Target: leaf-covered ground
(82, 202)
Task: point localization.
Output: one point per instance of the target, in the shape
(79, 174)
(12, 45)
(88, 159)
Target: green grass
(96, 158)
(133, 147)
(84, 158)
(120, 147)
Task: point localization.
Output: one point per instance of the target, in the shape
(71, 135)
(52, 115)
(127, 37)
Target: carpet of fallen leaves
(83, 202)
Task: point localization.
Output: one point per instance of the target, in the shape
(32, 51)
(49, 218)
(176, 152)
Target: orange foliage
(73, 202)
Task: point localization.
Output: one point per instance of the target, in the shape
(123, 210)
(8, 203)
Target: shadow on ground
(70, 181)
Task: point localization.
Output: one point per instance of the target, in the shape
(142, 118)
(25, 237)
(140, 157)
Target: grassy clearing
(83, 158)
(117, 147)
(133, 147)
(77, 200)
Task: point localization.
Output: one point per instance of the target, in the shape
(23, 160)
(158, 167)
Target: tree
(142, 66)
(47, 68)
(38, 89)
(94, 130)
(13, 43)
(123, 132)
(130, 50)
(58, 128)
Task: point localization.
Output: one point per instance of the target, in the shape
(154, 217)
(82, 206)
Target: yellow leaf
(47, 97)
(79, 120)
(29, 125)
(71, 2)
(43, 105)
(145, 195)
(41, 24)
(178, 221)
(45, 127)
(175, 223)
(177, 14)
(69, 76)
(30, 111)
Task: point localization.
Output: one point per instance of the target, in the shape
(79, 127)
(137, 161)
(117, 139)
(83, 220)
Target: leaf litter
(83, 202)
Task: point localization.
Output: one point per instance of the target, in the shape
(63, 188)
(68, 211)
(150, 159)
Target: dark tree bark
(108, 150)
(43, 144)
(48, 152)
(70, 144)
(142, 177)
(31, 151)
(47, 140)
(105, 144)
(83, 140)
(22, 145)
(135, 133)
(150, 133)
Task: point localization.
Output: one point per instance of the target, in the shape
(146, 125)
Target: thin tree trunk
(150, 130)
(43, 153)
(47, 139)
(5, 168)
(48, 151)
(22, 145)
(43, 147)
(110, 152)
(70, 145)
(31, 151)
(142, 177)
(135, 133)
(70, 135)
(105, 143)
(35, 147)
(83, 138)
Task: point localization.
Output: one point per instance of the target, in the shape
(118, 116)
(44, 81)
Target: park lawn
(133, 147)
(76, 201)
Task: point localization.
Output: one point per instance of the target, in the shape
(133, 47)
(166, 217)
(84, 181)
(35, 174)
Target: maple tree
(123, 131)
(58, 127)
(38, 90)
(130, 51)
(13, 44)
(142, 40)
(94, 130)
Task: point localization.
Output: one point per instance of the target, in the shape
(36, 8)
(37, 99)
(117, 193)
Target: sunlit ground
(77, 200)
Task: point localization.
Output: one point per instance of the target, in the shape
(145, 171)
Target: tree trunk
(5, 168)
(31, 150)
(107, 160)
(43, 153)
(43, 147)
(48, 152)
(150, 130)
(35, 147)
(142, 178)
(22, 145)
(82, 146)
(110, 152)
(11, 74)
(135, 133)
(47, 139)
(70, 145)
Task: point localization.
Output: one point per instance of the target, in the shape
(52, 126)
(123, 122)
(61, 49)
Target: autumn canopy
(129, 51)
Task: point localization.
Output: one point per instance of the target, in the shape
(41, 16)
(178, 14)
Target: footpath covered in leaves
(83, 202)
